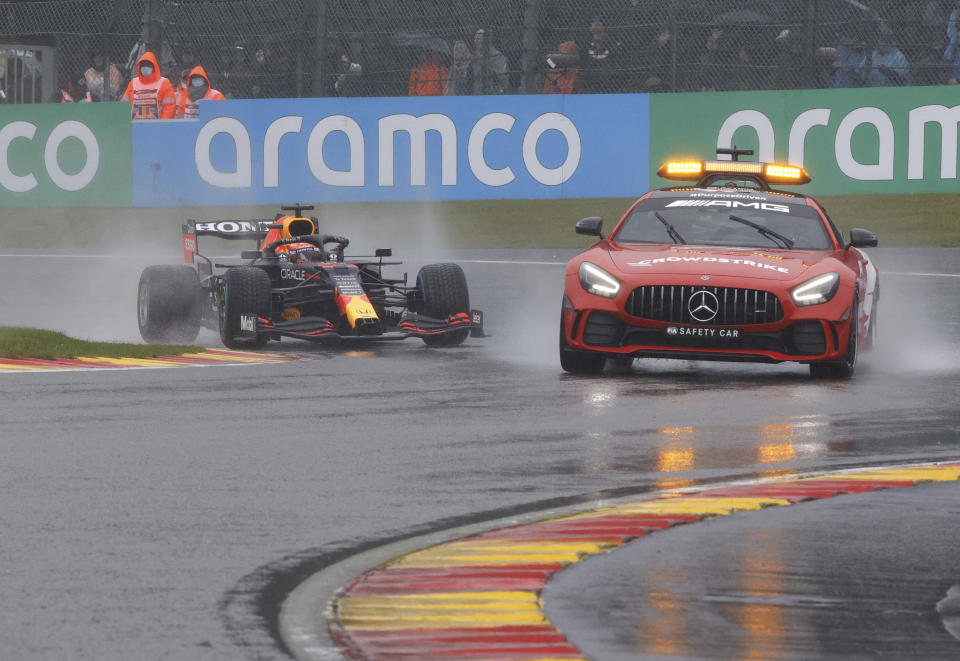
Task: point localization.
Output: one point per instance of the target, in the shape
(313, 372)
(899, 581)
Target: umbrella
(743, 17)
(421, 40)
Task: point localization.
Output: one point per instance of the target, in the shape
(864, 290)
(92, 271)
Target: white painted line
(925, 275)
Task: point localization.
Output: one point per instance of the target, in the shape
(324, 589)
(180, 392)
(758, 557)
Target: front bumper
(790, 339)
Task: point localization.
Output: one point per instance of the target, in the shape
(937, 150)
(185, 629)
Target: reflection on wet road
(139, 505)
(851, 577)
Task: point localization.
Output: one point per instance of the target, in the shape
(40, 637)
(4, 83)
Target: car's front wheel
(579, 362)
(169, 302)
(443, 290)
(245, 293)
(844, 368)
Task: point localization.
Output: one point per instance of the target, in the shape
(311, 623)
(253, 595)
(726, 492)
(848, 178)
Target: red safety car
(725, 268)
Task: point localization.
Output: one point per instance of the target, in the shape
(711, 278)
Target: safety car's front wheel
(579, 362)
(169, 304)
(443, 290)
(842, 369)
(244, 296)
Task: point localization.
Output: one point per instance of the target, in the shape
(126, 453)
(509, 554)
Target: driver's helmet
(301, 253)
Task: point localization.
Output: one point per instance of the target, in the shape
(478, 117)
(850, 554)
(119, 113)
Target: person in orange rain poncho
(149, 93)
(198, 89)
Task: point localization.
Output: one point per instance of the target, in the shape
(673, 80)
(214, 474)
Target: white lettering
(755, 120)
(271, 147)
(416, 128)
(798, 132)
(883, 169)
(353, 175)
(948, 118)
(485, 174)
(551, 121)
(242, 176)
(81, 132)
(12, 182)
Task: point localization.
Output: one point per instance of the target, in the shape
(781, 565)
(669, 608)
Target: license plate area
(703, 335)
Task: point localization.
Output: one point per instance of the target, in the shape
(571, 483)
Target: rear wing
(254, 230)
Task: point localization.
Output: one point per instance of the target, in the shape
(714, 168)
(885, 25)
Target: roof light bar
(684, 170)
(769, 172)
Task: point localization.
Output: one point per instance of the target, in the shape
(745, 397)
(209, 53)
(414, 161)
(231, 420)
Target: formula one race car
(726, 269)
(299, 284)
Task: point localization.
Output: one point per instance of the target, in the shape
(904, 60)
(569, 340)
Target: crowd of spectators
(638, 47)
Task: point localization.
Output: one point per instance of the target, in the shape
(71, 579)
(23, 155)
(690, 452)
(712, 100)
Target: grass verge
(898, 220)
(50, 345)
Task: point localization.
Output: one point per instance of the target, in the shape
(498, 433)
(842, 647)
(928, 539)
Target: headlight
(816, 290)
(597, 281)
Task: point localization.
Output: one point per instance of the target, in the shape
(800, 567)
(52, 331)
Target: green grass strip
(50, 345)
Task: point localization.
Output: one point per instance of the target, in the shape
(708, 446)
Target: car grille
(737, 307)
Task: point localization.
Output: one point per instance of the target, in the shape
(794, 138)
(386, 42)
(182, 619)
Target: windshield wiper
(769, 233)
(671, 230)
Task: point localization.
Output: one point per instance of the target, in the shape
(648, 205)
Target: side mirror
(861, 238)
(590, 226)
(384, 252)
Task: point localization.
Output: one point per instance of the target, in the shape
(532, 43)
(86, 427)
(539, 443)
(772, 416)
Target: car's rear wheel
(245, 291)
(842, 369)
(443, 290)
(169, 302)
(579, 362)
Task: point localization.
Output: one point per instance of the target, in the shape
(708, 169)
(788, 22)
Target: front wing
(411, 324)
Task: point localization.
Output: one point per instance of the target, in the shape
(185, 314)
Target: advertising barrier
(67, 155)
(271, 151)
(852, 141)
(437, 148)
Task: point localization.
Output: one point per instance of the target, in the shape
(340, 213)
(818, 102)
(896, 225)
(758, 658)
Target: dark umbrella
(743, 17)
(421, 40)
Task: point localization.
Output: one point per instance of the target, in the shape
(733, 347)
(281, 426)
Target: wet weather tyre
(169, 302)
(842, 369)
(579, 362)
(443, 289)
(244, 290)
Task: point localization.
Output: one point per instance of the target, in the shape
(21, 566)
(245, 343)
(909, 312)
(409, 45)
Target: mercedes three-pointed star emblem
(703, 306)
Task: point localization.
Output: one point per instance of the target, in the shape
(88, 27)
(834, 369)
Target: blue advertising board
(272, 151)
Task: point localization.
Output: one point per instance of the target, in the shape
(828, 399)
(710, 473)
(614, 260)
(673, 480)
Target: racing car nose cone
(703, 306)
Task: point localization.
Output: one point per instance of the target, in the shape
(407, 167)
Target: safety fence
(298, 48)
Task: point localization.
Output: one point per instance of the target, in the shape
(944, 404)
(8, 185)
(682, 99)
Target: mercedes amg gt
(726, 268)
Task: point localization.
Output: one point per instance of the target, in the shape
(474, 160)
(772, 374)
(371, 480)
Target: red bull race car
(299, 284)
(725, 268)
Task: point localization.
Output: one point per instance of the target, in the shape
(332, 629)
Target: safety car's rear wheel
(169, 302)
(245, 293)
(579, 362)
(842, 369)
(443, 290)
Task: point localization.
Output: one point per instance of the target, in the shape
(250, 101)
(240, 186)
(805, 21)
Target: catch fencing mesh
(298, 48)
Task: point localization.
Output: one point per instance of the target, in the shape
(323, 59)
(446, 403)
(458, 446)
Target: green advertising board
(76, 154)
(851, 141)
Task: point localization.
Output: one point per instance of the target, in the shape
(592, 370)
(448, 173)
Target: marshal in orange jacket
(188, 108)
(151, 96)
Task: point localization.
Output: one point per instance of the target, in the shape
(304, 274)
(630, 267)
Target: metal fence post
(317, 87)
(530, 57)
(810, 44)
(154, 35)
(674, 38)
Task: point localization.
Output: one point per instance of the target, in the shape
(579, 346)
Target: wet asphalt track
(159, 514)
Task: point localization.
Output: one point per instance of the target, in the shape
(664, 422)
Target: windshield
(747, 223)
